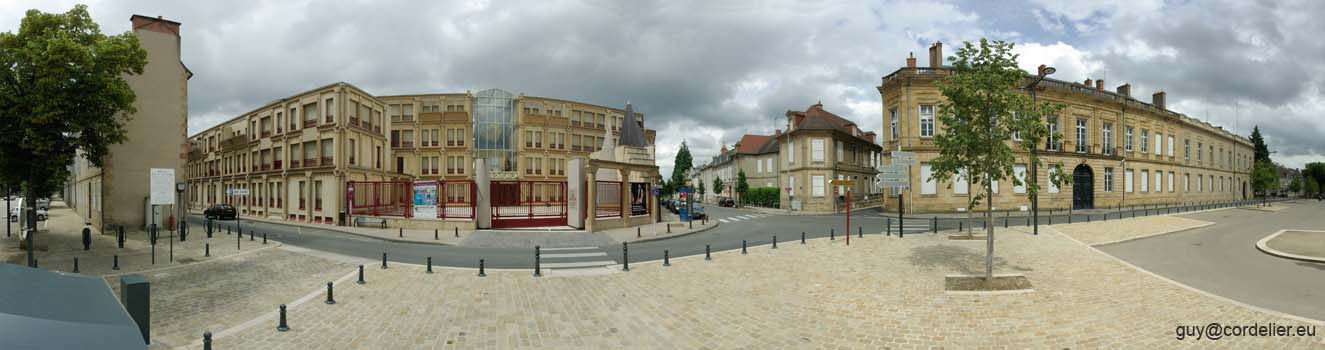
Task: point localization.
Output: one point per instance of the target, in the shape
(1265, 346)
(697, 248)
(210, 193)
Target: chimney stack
(1125, 90)
(1099, 85)
(1087, 82)
(911, 60)
(936, 55)
(1158, 99)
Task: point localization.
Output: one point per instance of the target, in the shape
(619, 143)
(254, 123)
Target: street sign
(842, 182)
(894, 184)
(903, 158)
(893, 169)
(655, 191)
(161, 186)
(237, 191)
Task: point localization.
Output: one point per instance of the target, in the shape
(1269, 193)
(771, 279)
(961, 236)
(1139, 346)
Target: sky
(707, 72)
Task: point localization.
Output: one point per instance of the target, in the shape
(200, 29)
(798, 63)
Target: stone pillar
(591, 213)
(654, 214)
(575, 183)
(482, 190)
(624, 207)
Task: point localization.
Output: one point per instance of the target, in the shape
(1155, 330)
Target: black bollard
(457, 231)
(430, 264)
(707, 256)
(34, 263)
(832, 234)
(264, 238)
(960, 225)
(116, 264)
(935, 225)
(637, 232)
(330, 299)
(888, 226)
(692, 224)
(742, 247)
(434, 234)
(667, 261)
(860, 233)
(538, 256)
(250, 235)
(802, 237)
(120, 237)
(360, 281)
(384, 260)
(1005, 222)
(1087, 218)
(206, 249)
(75, 265)
(207, 341)
(227, 230)
(480, 268)
(625, 257)
(238, 241)
(402, 232)
(775, 242)
(669, 228)
(1069, 217)
(283, 326)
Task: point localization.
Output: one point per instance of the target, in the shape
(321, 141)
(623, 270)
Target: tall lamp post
(1035, 197)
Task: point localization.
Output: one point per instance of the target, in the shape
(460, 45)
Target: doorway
(1083, 188)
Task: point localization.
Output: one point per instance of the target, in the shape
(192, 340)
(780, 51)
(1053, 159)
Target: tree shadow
(956, 258)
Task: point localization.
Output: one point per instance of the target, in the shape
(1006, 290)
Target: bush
(762, 197)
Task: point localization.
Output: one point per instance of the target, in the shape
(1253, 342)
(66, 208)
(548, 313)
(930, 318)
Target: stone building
(1116, 150)
(155, 138)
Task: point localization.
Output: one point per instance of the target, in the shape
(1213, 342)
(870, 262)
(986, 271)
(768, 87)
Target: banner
(639, 194)
(425, 199)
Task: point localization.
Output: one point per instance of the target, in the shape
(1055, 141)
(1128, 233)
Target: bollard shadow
(957, 258)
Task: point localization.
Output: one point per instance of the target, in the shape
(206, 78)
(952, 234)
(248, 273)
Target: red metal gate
(528, 203)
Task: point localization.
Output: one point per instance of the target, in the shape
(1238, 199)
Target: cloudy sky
(707, 72)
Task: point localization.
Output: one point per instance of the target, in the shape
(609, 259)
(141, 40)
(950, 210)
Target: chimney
(1087, 82)
(1125, 90)
(911, 60)
(936, 55)
(1158, 99)
(777, 131)
(1099, 85)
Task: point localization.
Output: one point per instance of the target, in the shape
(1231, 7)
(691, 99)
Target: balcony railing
(310, 162)
(331, 118)
(407, 144)
(308, 123)
(266, 167)
(354, 121)
(294, 164)
(276, 165)
(326, 161)
(266, 133)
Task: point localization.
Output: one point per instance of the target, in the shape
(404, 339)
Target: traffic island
(1304, 245)
(978, 284)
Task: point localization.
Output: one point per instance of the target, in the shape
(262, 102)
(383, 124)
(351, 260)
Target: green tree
(699, 187)
(1311, 187)
(1295, 185)
(1264, 178)
(681, 165)
(1315, 171)
(1261, 152)
(62, 90)
(982, 110)
(718, 186)
(741, 186)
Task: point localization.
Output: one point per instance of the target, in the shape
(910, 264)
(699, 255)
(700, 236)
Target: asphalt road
(737, 225)
(1222, 258)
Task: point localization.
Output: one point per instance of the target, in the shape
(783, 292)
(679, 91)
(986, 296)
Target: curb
(334, 228)
(650, 239)
(1263, 247)
(1205, 224)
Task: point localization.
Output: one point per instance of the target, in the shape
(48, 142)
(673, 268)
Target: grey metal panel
(50, 310)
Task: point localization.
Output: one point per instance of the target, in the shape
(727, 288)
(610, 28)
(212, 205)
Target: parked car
(15, 208)
(726, 202)
(220, 212)
(44, 203)
(697, 211)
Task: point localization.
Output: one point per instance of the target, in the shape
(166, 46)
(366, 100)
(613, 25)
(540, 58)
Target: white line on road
(569, 248)
(574, 255)
(723, 221)
(578, 264)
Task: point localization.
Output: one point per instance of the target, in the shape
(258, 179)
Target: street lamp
(1035, 197)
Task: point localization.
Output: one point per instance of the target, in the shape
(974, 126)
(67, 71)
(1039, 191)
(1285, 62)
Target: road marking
(576, 264)
(574, 255)
(568, 248)
(723, 221)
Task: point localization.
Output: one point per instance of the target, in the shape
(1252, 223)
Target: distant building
(1286, 176)
(156, 136)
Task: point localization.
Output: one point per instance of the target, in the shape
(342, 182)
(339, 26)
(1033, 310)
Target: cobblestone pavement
(878, 293)
(1113, 231)
(190, 299)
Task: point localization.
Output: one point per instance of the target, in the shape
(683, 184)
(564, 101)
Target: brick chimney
(1158, 99)
(936, 55)
(1087, 82)
(1099, 85)
(1125, 90)
(911, 60)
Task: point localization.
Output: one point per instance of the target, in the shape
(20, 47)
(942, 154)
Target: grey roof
(50, 310)
(632, 134)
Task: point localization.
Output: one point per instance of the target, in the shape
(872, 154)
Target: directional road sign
(903, 158)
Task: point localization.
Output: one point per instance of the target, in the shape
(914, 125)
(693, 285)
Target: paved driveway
(1222, 258)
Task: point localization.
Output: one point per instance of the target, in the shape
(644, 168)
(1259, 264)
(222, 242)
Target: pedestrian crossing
(574, 258)
(742, 217)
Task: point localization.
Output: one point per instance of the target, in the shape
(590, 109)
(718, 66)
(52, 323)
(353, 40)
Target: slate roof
(816, 118)
(631, 133)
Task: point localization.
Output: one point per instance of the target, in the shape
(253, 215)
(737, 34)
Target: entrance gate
(528, 203)
(1083, 188)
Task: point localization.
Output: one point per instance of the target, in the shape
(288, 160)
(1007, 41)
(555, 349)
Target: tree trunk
(30, 216)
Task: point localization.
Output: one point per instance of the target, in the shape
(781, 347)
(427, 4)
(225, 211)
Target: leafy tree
(1295, 185)
(982, 110)
(1311, 187)
(1261, 152)
(718, 186)
(741, 185)
(699, 187)
(1315, 171)
(681, 165)
(1264, 178)
(62, 90)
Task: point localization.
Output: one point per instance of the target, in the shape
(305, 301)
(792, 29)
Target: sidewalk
(452, 237)
(779, 211)
(657, 231)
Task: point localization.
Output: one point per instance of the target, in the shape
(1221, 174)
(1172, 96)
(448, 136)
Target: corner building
(1117, 150)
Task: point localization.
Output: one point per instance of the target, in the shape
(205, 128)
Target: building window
(818, 183)
(1170, 144)
(926, 120)
(1055, 143)
(1199, 155)
(1159, 181)
(1083, 144)
(817, 150)
(892, 123)
(1019, 171)
(959, 183)
(840, 157)
(1053, 188)
(1170, 183)
(1107, 140)
(791, 151)
(1145, 141)
(1145, 178)
(929, 186)
(1187, 149)
(331, 110)
(1108, 179)
(1127, 181)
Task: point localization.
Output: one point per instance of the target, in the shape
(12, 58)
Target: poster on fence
(425, 199)
(639, 194)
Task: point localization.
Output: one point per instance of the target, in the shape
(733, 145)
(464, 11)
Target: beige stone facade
(155, 137)
(1128, 152)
